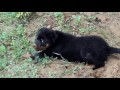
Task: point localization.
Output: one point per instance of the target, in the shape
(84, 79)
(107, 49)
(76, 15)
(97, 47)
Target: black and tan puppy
(88, 49)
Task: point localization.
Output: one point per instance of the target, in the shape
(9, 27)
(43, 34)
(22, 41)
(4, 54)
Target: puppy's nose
(43, 44)
(36, 42)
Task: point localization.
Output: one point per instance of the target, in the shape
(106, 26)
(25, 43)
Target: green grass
(87, 29)
(9, 17)
(77, 19)
(59, 16)
(17, 44)
(14, 43)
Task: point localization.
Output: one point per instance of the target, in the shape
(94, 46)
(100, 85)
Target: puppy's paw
(94, 68)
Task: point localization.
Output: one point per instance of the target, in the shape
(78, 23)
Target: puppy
(89, 49)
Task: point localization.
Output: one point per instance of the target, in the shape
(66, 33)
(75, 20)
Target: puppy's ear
(53, 36)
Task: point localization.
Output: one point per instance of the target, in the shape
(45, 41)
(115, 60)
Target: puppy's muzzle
(40, 48)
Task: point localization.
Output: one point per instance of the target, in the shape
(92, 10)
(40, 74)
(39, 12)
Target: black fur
(88, 49)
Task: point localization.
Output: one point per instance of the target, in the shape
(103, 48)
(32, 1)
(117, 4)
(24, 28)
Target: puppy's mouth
(40, 48)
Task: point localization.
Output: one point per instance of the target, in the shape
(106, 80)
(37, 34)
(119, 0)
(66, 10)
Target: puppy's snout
(36, 47)
(43, 44)
(36, 42)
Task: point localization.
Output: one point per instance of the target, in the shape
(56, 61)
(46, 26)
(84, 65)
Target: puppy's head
(44, 39)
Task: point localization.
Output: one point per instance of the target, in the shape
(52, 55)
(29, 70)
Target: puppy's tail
(114, 50)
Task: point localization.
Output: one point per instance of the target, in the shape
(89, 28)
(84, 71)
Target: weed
(58, 14)
(3, 36)
(59, 18)
(46, 60)
(18, 45)
(52, 74)
(77, 19)
(23, 69)
(91, 17)
(2, 49)
(88, 29)
(9, 17)
(22, 15)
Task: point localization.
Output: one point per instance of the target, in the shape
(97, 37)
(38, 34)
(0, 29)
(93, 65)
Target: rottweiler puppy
(89, 49)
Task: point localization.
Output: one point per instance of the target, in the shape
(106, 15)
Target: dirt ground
(106, 25)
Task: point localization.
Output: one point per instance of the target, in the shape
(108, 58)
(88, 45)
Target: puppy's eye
(42, 40)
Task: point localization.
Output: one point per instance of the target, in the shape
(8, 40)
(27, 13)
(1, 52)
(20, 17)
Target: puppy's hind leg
(98, 65)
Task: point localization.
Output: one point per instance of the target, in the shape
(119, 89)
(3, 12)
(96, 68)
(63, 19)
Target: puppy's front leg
(35, 56)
